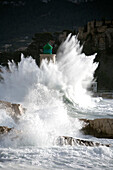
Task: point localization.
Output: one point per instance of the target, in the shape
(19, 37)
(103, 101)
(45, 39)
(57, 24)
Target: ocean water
(55, 97)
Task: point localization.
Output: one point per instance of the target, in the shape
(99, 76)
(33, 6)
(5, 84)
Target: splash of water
(72, 75)
(41, 91)
(77, 70)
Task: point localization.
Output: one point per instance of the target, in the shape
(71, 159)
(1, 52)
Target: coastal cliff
(97, 37)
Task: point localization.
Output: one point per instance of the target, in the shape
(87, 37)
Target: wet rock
(11, 133)
(14, 110)
(61, 140)
(4, 129)
(65, 140)
(101, 128)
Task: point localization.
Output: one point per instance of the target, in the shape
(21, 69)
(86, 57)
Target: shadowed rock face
(14, 110)
(101, 128)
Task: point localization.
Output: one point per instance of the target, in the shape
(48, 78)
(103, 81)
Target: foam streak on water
(53, 96)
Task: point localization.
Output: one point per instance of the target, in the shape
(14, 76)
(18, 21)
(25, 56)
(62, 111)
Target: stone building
(99, 31)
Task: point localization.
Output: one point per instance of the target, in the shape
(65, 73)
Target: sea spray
(72, 75)
(45, 120)
(77, 70)
(42, 90)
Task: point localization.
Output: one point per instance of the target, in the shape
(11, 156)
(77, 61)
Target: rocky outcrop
(101, 128)
(4, 130)
(14, 110)
(65, 140)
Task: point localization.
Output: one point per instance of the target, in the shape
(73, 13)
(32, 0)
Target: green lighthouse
(47, 49)
(47, 54)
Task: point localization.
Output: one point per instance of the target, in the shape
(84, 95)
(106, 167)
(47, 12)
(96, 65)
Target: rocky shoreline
(61, 140)
(100, 128)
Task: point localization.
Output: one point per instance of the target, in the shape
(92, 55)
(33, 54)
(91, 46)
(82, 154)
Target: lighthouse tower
(47, 53)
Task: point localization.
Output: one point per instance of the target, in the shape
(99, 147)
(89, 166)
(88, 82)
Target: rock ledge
(101, 128)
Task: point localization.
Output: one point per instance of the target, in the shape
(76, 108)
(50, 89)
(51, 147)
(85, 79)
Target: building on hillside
(99, 31)
(99, 26)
